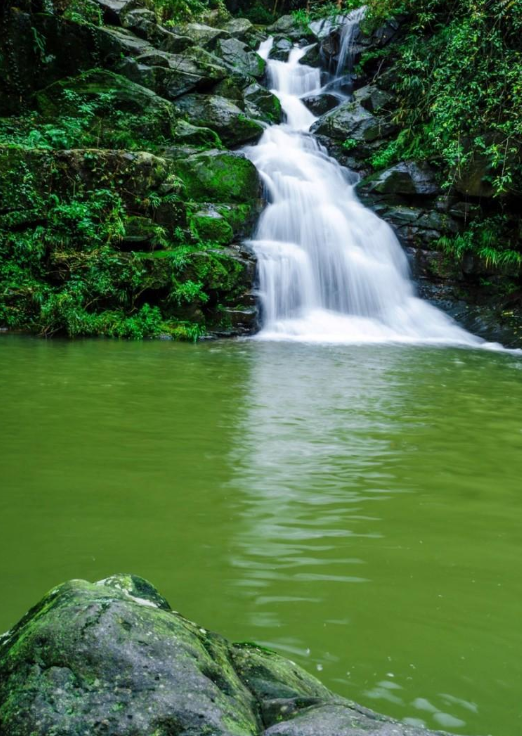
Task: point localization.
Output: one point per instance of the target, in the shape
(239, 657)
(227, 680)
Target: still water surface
(356, 508)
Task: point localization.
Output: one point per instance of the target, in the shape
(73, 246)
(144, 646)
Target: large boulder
(112, 659)
(173, 75)
(406, 178)
(291, 27)
(220, 176)
(239, 58)
(201, 34)
(221, 115)
(351, 120)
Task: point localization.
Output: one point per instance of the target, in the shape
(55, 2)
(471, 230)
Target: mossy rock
(219, 176)
(186, 134)
(123, 95)
(209, 225)
(221, 115)
(112, 658)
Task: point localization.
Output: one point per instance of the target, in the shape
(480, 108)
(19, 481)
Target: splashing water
(330, 270)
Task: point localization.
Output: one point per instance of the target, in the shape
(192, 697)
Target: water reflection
(353, 484)
(314, 465)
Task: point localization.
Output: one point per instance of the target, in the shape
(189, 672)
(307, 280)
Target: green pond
(358, 509)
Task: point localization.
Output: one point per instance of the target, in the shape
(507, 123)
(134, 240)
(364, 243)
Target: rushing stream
(330, 270)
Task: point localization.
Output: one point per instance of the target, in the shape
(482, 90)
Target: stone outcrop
(112, 659)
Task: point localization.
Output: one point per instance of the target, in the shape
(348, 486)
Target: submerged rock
(112, 658)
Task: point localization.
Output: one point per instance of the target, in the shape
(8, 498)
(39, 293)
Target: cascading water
(329, 269)
(349, 30)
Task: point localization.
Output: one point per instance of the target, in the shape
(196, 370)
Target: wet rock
(220, 115)
(240, 28)
(321, 104)
(125, 96)
(188, 135)
(372, 98)
(142, 22)
(312, 57)
(472, 179)
(406, 178)
(114, 11)
(290, 27)
(209, 225)
(201, 34)
(238, 57)
(280, 51)
(112, 658)
(262, 104)
(351, 120)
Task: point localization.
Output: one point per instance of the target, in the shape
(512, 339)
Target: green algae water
(358, 509)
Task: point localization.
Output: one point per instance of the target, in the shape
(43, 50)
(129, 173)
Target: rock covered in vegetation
(120, 184)
(112, 658)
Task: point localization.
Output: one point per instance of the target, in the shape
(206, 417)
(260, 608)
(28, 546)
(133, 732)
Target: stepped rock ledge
(112, 658)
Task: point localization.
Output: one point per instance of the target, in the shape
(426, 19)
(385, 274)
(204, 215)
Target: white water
(330, 270)
(348, 34)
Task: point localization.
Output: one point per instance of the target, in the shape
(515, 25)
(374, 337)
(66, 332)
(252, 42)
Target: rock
(125, 95)
(114, 43)
(238, 57)
(351, 120)
(312, 57)
(220, 176)
(173, 75)
(209, 225)
(112, 658)
(142, 22)
(201, 34)
(280, 51)
(472, 179)
(262, 104)
(372, 98)
(114, 11)
(290, 27)
(406, 178)
(240, 28)
(138, 231)
(221, 115)
(321, 104)
(186, 134)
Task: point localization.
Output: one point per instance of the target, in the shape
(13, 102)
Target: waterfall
(330, 270)
(349, 30)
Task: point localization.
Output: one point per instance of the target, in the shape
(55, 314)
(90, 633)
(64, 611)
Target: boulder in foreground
(112, 658)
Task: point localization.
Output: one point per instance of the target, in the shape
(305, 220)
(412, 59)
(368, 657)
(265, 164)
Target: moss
(216, 176)
(209, 225)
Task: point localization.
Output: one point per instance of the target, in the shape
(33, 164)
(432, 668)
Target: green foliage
(349, 144)
(89, 121)
(180, 11)
(491, 239)
(458, 78)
